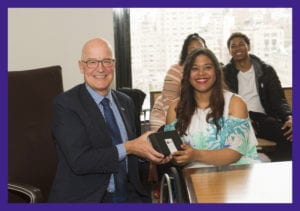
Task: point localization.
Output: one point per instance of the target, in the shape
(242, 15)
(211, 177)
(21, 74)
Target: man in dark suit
(92, 125)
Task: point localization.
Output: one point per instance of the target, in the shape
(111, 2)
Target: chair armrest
(166, 183)
(35, 194)
(179, 185)
(172, 181)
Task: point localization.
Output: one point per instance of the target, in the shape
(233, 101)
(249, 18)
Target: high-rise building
(157, 36)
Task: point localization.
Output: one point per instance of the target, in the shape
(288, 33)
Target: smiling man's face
(100, 77)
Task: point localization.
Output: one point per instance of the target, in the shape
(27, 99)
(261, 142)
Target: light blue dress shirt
(120, 147)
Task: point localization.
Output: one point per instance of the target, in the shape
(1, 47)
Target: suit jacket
(86, 155)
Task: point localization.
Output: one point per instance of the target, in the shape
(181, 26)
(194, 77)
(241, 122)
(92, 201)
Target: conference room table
(256, 183)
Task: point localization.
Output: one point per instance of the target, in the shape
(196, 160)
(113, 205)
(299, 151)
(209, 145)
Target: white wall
(39, 37)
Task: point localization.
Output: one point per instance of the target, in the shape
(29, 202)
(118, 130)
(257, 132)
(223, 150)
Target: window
(266, 42)
(164, 29)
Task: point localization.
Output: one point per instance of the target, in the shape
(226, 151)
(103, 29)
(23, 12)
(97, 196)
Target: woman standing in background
(171, 87)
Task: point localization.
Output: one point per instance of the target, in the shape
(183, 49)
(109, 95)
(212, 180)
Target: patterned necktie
(121, 176)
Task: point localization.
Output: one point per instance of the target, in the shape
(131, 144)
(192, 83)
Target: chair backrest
(288, 92)
(153, 96)
(31, 149)
(138, 97)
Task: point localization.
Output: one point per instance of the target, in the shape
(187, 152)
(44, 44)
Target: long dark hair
(187, 41)
(187, 103)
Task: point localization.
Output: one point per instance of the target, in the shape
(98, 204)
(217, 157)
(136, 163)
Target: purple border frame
(5, 4)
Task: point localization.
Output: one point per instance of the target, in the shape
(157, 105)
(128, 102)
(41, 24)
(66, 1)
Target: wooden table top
(257, 183)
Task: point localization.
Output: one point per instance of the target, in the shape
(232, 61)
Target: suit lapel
(94, 113)
(132, 159)
(97, 118)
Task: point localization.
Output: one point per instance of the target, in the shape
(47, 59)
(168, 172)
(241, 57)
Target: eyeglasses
(93, 63)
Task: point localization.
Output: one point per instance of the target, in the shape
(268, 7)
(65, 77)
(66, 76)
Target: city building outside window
(157, 35)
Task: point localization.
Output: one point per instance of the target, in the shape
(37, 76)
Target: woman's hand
(186, 155)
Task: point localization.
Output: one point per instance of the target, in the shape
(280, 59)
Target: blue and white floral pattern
(235, 133)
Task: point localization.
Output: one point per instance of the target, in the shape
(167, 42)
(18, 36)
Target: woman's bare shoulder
(238, 107)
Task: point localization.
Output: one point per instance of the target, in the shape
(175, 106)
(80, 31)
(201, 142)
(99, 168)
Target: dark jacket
(269, 87)
(86, 155)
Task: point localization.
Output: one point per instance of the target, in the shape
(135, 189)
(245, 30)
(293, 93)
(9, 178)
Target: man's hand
(288, 126)
(143, 148)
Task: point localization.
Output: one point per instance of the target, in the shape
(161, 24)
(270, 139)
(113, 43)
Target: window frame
(121, 20)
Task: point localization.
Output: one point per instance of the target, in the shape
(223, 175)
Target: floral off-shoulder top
(236, 133)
